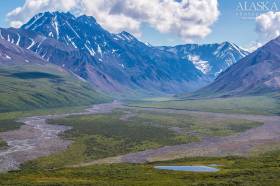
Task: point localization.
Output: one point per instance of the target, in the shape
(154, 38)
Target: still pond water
(188, 168)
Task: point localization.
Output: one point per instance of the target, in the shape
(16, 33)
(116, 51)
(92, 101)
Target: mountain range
(119, 63)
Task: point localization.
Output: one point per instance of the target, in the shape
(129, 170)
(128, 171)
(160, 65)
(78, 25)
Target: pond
(188, 168)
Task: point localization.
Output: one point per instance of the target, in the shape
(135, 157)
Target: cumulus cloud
(268, 26)
(189, 19)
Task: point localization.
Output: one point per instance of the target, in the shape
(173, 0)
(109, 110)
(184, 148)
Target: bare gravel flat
(37, 138)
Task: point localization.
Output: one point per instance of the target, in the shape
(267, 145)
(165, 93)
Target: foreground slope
(27, 82)
(258, 73)
(260, 170)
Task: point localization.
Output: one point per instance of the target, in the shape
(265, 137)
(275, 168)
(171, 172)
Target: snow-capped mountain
(81, 33)
(210, 59)
(116, 62)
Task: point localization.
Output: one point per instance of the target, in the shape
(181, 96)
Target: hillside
(256, 74)
(27, 87)
(28, 82)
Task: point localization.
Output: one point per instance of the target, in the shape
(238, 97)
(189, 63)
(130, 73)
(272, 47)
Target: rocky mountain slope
(257, 73)
(11, 54)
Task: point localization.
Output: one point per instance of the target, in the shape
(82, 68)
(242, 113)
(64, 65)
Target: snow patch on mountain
(99, 50)
(1, 34)
(73, 29)
(55, 25)
(7, 57)
(71, 41)
(200, 64)
(32, 44)
(90, 50)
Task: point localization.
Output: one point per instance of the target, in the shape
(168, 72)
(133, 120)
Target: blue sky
(228, 27)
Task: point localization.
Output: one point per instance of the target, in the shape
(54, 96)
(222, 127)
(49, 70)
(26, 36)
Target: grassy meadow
(268, 105)
(251, 171)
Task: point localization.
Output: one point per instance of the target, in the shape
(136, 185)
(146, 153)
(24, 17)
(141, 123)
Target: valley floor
(115, 133)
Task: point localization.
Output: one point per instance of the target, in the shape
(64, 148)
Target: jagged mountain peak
(82, 32)
(49, 23)
(58, 24)
(232, 46)
(46, 17)
(87, 19)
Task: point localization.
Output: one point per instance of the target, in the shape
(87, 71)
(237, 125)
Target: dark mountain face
(210, 59)
(257, 73)
(112, 62)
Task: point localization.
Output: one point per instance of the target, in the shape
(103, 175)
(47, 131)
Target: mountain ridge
(111, 62)
(210, 59)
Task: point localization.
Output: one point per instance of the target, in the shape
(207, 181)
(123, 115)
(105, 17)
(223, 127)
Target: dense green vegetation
(246, 105)
(6, 125)
(28, 87)
(251, 171)
(196, 124)
(3, 144)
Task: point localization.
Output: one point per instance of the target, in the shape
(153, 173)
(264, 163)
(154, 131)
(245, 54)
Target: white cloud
(189, 19)
(268, 26)
(20, 15)
(253, 46)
